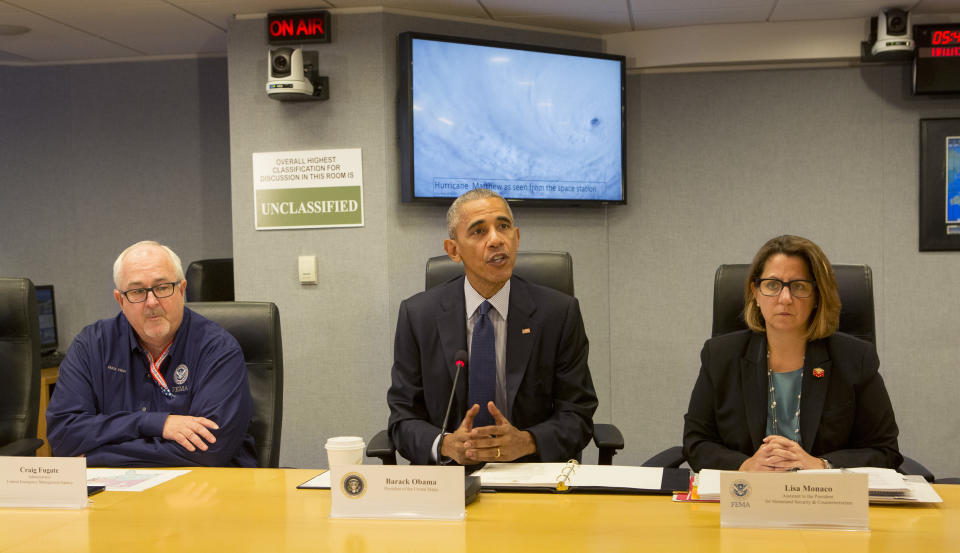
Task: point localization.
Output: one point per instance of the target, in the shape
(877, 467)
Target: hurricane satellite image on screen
(527, 124)
(953, 179)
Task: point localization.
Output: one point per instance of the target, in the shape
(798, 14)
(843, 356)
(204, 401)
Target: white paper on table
(914, 488)
(547, 475)
(130, 480)
(319, 482)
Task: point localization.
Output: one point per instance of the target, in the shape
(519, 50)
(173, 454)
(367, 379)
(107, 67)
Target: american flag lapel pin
(818, 372)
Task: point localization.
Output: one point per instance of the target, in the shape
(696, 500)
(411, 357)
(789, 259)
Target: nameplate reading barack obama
(392, 491)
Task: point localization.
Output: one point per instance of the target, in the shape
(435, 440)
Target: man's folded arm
(73, 425)
(222, 395)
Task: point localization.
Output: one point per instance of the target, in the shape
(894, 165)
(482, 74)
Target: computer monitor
(47, 310)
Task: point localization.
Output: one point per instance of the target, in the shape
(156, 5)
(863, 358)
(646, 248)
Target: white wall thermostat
(307, 269)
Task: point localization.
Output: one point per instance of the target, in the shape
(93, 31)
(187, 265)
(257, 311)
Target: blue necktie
(483, 366)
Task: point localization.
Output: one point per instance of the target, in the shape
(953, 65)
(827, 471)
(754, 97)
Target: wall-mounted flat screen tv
(542, 126)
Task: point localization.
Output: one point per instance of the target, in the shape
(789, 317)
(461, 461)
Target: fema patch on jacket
(180, 374)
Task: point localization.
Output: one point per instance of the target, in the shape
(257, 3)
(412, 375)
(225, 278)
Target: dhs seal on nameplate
(740, 489)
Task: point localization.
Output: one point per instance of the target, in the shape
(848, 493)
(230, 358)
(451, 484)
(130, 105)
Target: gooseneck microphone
(460, 362)
(471, 484)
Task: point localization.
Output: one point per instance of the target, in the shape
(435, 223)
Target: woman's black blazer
(845, 414)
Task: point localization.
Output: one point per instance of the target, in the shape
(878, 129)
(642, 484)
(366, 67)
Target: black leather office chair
(19, 368)
(553, 269)
(210, 280)
(256, 326)
(855, 286)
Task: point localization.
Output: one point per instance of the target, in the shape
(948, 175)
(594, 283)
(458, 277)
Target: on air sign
(299, 26)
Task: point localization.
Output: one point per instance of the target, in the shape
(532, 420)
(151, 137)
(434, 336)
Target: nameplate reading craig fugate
(43, 482)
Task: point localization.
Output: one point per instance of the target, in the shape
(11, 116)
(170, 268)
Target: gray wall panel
(95, 157)
(920, 352)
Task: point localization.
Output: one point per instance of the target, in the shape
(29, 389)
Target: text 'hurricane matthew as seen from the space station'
(529, 124)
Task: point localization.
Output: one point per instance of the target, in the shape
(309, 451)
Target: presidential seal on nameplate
(836, 501)
(397, 491)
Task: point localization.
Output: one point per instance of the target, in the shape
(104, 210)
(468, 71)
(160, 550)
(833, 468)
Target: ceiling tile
(7, 57)
(459, 8)
(559, 8)
(153, 30)
(597, 17)
(221, 12)
(52, 41)
(806, 10)
(596, 24)
(938, 6)
(697, 5)
(682, 18)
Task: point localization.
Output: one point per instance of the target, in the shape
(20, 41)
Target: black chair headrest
(551, 269)
(855, 284)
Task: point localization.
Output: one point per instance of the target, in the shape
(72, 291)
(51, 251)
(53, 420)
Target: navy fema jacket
(107, 407)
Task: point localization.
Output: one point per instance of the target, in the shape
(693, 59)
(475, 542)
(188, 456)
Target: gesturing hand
(501, 442)
(189, 432)
(452, 444)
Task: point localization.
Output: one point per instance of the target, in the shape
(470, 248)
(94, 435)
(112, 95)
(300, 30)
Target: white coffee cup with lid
(345, 450)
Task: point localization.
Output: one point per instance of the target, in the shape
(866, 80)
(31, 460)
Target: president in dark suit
(791, 392)
(529, 395)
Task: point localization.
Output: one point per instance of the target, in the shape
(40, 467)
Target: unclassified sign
(308, 189)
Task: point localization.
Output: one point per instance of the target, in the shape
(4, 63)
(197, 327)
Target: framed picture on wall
(939, 184)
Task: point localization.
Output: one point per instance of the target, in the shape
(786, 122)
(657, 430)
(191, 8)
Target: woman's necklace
(772, 400)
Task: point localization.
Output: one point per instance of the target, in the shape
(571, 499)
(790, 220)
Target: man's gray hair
(174, 258)
(453, 214)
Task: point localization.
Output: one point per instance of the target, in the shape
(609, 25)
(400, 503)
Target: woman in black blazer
(791, 392)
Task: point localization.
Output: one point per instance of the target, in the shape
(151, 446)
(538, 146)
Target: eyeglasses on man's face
(139, 295)
(798, 288)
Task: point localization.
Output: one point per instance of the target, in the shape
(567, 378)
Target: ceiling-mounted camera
(891, 33)
(292, 74)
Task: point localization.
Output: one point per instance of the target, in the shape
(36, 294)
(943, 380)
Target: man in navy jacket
(157, 385)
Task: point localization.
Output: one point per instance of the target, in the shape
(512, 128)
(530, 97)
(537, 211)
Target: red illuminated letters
(298, 27)
(304, 28)
(310, 27)
(281, 28)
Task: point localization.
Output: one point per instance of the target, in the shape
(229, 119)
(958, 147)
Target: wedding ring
(498, 453)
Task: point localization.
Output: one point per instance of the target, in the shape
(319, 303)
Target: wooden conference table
(233, 510)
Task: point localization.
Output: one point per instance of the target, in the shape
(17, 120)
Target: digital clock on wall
(936, 60)
(945, 37)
